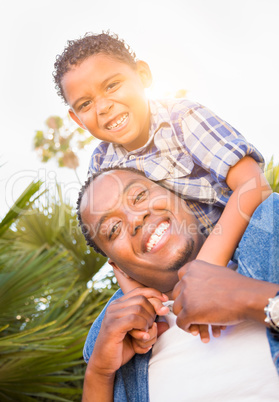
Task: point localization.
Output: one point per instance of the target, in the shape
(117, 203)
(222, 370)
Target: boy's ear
(116, 268)
(145, 73)
(76, 119)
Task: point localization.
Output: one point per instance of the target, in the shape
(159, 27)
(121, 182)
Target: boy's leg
(258, 252)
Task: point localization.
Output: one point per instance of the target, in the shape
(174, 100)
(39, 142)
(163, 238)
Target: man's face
(144, 229)
(107, 98)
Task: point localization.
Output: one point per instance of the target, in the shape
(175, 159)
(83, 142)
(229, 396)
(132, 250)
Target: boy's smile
(107, 98)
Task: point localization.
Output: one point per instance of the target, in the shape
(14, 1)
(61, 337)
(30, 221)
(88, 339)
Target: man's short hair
(90, 44)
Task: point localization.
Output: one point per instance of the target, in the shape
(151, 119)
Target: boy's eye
(112, 85)
(140, 197)
(114, 230)
(84, 105)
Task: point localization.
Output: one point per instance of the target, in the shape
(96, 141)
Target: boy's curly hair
(78, 50)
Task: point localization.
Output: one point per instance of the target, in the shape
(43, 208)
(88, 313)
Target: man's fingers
(135, 313)
(194, 329)
(216, 330)
(146, 292)
(204, 333)
(143, 341)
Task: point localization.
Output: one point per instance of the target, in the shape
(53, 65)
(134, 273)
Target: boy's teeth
(157, 235)
(118, 122)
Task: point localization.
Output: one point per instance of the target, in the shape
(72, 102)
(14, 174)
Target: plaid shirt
(189, 151)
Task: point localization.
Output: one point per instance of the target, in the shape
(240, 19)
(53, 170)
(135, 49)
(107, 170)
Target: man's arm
(114, 346)
(211, 294)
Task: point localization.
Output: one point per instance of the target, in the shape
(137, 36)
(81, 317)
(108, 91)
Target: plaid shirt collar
(159, 116)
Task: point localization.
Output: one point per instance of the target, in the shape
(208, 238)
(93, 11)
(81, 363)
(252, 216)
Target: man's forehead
(107, 190)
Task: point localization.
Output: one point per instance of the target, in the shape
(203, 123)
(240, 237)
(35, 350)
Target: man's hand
(132, 312)
(211, 294)
(114, 346)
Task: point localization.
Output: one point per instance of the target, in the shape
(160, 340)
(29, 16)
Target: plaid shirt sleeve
(97, 158)
(214, 144)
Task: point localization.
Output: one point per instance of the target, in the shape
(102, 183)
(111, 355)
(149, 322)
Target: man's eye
(140, 197)
(114, 230)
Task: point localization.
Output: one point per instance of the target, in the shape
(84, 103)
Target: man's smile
(157, 235)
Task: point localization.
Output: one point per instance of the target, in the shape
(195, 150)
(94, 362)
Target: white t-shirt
(236, 367)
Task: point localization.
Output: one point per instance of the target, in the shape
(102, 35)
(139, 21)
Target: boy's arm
(250, 188)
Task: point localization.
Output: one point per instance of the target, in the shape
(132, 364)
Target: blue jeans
(257, 256)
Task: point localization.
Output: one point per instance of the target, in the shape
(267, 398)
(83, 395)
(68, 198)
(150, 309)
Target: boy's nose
(103, 106)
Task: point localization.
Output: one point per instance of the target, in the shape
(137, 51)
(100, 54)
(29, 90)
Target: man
(148, 234)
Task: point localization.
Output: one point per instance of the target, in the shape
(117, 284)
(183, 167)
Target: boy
(180, 144)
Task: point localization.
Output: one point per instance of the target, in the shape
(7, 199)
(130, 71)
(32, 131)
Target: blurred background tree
(272, 175)
(61, 140)
(48, 300)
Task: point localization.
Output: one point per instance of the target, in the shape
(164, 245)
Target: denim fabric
(258, 253)
(131, 381)
(257, 256)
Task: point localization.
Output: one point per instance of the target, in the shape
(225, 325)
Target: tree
(272, 175)
(46, 305)
(61, 140)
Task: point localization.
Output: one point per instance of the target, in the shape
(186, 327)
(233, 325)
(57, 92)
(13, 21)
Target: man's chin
(183, 256)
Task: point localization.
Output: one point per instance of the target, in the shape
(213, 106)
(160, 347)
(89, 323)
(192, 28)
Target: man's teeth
(157, 235)
(118, 122)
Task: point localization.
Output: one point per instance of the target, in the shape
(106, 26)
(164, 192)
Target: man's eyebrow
(106, 216)
(100, 222)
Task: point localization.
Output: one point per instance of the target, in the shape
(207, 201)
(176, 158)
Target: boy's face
(106, 97)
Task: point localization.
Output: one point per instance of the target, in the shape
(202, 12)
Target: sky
(223, 52)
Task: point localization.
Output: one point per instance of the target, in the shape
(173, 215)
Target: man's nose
(136, 220)
(103, 105)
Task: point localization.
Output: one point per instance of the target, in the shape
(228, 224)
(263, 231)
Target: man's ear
(76, 119)
(116, 268)
(144, 73)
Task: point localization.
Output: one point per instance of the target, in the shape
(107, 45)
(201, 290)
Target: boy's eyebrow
(103, 84)
(78, 101)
